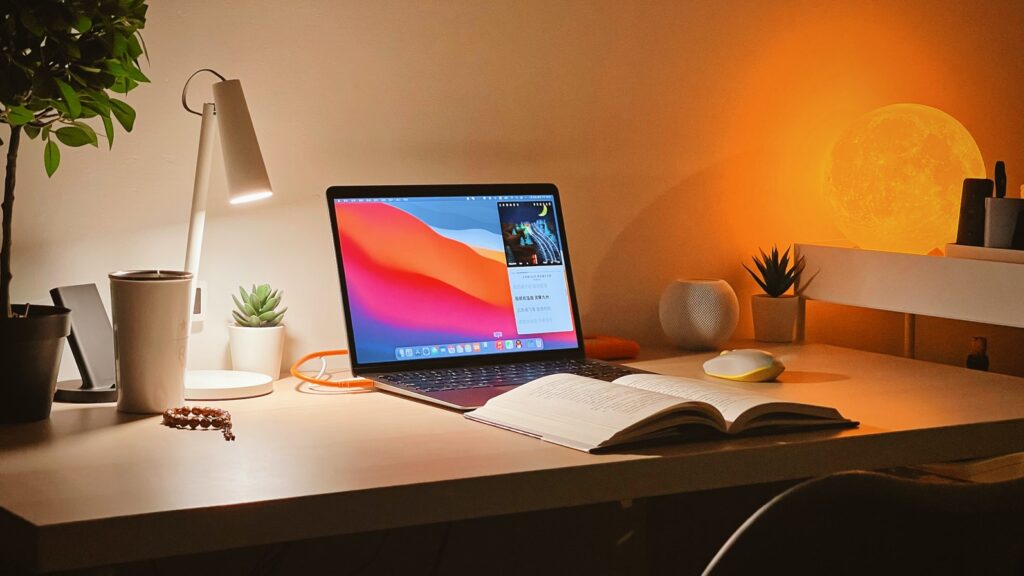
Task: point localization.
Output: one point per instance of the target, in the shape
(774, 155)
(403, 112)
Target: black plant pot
(30, 350)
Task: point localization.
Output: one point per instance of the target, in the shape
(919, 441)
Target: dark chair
(866, 523)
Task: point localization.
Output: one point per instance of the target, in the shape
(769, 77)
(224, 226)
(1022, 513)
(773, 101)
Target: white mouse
(745, 366)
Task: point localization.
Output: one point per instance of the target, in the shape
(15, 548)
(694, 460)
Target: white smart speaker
(699, 314)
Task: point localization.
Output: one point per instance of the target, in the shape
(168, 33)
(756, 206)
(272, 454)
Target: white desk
(306, 466)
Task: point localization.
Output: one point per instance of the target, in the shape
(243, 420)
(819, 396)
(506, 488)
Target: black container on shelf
(971, 229)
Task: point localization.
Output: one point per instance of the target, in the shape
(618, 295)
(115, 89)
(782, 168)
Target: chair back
(867, 523)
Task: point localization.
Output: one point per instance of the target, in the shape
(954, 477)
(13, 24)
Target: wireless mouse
(745, 366)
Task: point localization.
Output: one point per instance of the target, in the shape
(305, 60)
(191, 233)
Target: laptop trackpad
(470, 398)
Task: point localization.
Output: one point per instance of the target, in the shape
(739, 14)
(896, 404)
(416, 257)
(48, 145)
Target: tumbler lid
(150, 275)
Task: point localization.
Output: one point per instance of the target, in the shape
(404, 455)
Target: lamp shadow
(63, 423)
(693, 229)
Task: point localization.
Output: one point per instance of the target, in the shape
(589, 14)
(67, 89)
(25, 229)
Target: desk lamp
(247, 177)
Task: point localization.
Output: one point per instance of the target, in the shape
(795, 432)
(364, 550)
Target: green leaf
(99, 96)
(270, 304)
(263, 291)
(115, 68)
(70, 97)
(120, 44)
(108, 129)
(254, 320)
(134, 48)
(30, 131)
(76, 136)
(61, 107)
(145, 51)
(135, 74)
(756, 278)
(31, 23)
(18, 115)
(51, 157)
(84, 68)
(124, 113)
(82, 23)
(124, 85)
(268, 316)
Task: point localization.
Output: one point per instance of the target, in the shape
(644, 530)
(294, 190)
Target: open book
(587, 414)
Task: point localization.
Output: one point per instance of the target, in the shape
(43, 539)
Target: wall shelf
(956, 288)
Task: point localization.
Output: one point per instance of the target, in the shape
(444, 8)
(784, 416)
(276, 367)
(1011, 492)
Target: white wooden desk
(306, 466)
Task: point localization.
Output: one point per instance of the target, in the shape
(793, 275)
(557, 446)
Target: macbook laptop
(454, 294)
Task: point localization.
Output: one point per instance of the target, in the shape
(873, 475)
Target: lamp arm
(197, 220)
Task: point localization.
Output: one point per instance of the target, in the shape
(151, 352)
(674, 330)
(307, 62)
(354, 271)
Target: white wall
(683, 135)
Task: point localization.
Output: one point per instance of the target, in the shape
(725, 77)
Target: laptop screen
(448, 277)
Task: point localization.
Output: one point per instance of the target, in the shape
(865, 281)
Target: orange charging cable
(319, 378)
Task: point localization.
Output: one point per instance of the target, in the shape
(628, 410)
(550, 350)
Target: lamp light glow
(250, 197)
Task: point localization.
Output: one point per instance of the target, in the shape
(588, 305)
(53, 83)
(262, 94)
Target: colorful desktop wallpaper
(426, 273)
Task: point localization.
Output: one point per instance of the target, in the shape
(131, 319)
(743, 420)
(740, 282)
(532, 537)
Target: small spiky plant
(258, 308)
(777, 274)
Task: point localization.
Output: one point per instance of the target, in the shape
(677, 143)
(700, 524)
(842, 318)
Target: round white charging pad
(226, 384)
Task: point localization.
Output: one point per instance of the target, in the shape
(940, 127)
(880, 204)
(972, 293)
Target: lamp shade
(243, 162)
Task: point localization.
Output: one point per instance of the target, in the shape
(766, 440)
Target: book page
(587, 399)
(577, 408)
(731, 402)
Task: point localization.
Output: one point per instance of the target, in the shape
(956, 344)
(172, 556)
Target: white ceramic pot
(257, 349)
(699, 314)
(774, 318)
(151, 330)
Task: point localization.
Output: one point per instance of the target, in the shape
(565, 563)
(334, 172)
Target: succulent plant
(777, 273)
(258, 308)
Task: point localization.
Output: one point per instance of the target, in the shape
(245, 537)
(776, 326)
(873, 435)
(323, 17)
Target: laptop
(454, 294)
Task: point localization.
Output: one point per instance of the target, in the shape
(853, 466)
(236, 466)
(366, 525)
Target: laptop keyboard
(443, 379)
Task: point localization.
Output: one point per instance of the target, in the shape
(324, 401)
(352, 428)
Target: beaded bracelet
(200, 417)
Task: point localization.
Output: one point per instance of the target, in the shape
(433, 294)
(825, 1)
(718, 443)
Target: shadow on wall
(688, 231)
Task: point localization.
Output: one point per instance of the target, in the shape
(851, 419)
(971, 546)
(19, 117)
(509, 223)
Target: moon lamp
(895, 175)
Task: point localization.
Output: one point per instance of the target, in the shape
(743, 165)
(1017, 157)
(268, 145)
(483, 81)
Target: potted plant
(257, 336)
(59, 62)
(775, 311)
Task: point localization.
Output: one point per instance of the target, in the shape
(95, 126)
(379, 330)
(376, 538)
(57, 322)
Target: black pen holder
(971, 229)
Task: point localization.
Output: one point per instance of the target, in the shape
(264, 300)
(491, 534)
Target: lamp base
(226, 384)
(71, 392)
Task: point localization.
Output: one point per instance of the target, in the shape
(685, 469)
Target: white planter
(774, 318)
(257, 349)
(699, 314)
